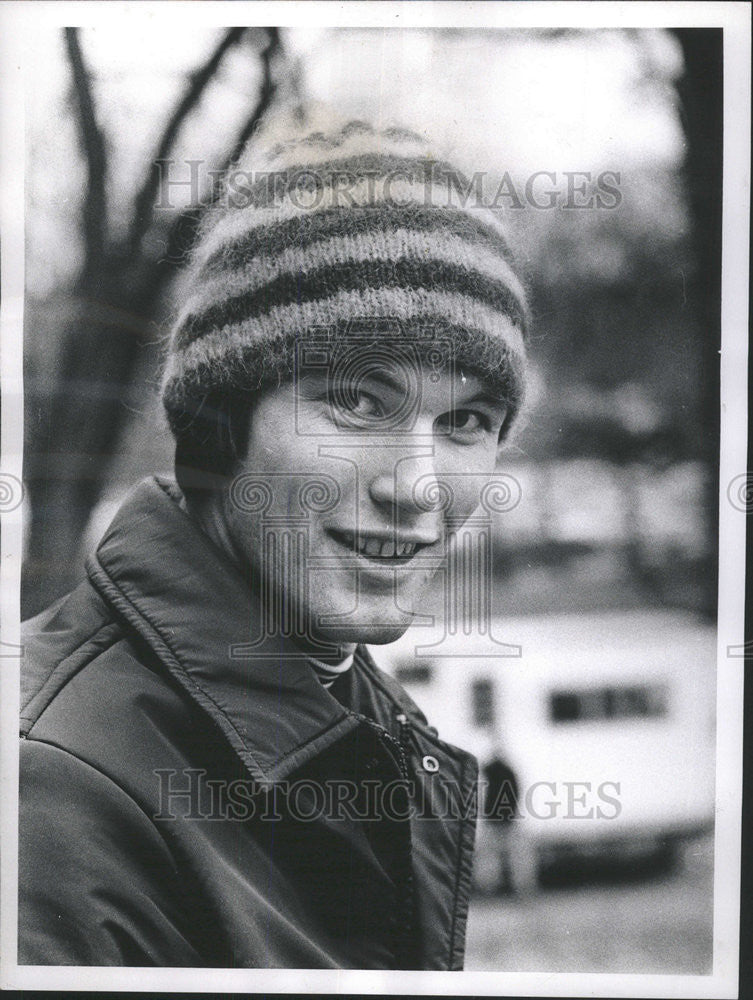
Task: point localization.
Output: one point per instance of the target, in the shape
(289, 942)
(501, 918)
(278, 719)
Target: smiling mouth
(384, 550)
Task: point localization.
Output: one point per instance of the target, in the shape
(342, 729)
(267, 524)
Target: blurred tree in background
(75, 394)
(625, 299)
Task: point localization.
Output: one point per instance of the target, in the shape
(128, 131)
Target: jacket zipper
(405, 903)
(403, 914)
(404, 732)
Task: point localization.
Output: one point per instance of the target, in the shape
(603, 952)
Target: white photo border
(17, 22)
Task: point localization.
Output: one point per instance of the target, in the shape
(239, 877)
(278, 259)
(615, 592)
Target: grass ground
(651, 924)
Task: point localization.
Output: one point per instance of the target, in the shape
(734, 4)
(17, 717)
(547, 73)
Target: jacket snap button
(430, 763)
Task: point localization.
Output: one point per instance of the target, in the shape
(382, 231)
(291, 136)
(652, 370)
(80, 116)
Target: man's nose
(406, 484)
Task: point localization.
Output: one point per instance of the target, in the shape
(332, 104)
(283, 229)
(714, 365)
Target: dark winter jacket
(182, 806)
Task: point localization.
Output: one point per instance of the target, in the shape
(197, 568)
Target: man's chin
(367, 634)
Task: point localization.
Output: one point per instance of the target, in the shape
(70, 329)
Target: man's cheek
(466, 502)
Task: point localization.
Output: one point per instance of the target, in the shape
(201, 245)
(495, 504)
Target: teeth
(383, 549)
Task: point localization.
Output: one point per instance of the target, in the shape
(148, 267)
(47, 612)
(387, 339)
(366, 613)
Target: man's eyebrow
(385, 377)
(485, 396)
(482, 396)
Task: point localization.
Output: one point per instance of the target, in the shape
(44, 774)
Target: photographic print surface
(374, 498)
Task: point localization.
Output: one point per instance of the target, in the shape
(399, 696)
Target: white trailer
(606, 722)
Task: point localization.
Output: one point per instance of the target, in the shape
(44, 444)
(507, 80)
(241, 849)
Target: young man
(213, 770)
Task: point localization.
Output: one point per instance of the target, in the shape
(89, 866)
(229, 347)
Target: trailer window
(638, 701)
(482, 702)
(409, 672)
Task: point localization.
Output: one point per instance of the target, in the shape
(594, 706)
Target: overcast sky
(497, 101)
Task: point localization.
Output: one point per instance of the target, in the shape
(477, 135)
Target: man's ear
(503, 441)
(515, 421)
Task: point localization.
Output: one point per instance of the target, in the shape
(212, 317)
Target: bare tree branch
(183, 230)
(266, 93)
(77, 408)
(198, 81)
(94, 210)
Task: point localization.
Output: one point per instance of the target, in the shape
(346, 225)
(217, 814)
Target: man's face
(352, 484)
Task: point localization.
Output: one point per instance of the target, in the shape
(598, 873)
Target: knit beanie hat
(339, 229)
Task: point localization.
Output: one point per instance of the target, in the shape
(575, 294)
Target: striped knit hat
(324, 230)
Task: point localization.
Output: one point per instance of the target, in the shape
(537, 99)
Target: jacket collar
(193, 608)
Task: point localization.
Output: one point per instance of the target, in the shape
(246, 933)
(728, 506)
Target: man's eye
(356, 405)
(462, 422)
